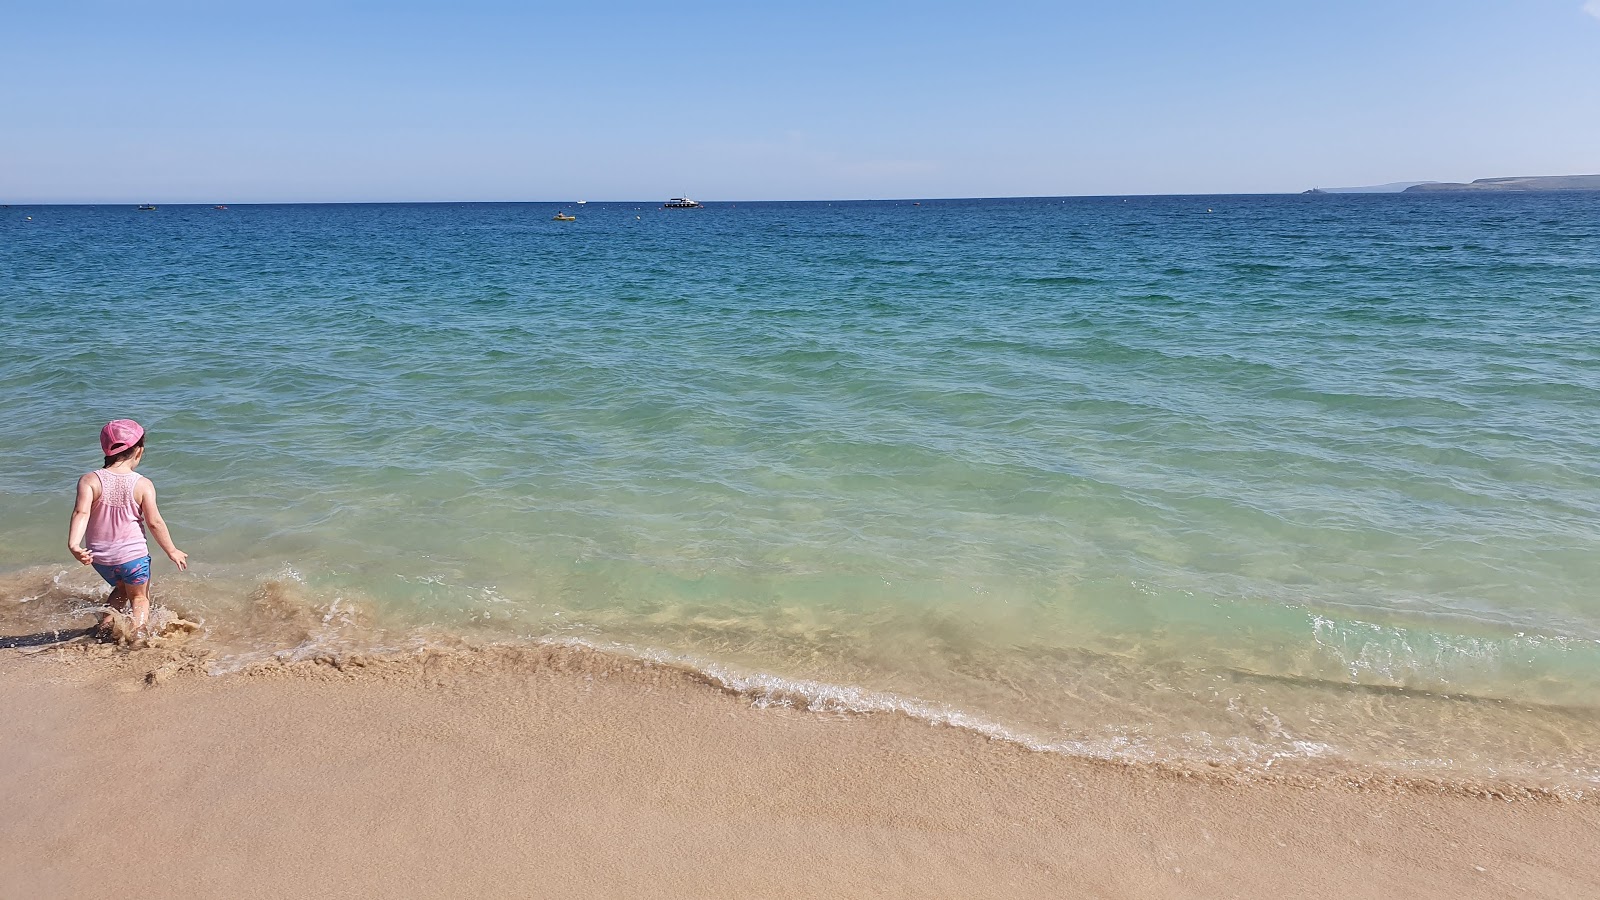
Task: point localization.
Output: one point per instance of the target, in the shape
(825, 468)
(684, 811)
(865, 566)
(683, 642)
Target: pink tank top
(116, 526)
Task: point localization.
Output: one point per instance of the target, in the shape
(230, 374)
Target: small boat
(682, 203)
(563, 217)
(219, 206)
(582, 202)
(147, 206)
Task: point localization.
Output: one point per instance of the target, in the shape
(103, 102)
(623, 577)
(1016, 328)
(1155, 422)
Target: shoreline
(279, 632)
(562, 772)
(278, 625)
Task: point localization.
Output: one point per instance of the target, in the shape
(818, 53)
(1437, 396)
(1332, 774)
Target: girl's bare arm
(158, 525)
(79, 523)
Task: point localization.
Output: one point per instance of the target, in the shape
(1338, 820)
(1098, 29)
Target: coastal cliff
(1533, 183)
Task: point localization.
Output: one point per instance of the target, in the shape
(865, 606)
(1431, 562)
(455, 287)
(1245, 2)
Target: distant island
(1394, 187)
(1528, 183)
(1520, 183)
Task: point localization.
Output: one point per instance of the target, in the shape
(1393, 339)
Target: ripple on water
(1317, 474)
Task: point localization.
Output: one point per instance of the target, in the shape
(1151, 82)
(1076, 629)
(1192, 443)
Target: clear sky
(220, 102)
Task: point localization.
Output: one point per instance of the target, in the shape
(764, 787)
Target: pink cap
(119, 435)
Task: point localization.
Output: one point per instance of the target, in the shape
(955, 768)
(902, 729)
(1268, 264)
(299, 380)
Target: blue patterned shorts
(132, 572)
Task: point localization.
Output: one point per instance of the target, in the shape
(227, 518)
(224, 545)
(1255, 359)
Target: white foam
(766, 690)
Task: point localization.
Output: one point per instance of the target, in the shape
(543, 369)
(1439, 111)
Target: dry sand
(562, 774)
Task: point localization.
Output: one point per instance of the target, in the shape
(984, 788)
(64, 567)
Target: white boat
(682, 203)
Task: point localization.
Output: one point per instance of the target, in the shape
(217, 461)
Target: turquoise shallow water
(1252, 478)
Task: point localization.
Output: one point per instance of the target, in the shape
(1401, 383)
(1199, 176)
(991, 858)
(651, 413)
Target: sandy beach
(1082, 451)
(555, 772)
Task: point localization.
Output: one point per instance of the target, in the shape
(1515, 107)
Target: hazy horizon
(174, 102)
(656, 201)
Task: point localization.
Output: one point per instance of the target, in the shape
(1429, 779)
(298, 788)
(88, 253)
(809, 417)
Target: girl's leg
(117, 601)
(139, 596)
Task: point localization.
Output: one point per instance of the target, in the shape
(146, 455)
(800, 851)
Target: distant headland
(1529, 183)
(1391, 188)
(1517, 183)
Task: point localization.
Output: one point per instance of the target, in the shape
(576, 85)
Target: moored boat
(682, 203)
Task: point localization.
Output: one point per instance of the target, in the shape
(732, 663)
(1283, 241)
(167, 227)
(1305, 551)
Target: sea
(1244, 481)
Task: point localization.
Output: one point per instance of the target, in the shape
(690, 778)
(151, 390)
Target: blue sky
(341, 101)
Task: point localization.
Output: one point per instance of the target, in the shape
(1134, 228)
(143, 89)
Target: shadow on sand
(43, 638)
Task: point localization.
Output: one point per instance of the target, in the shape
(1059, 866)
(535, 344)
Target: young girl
(114, 506)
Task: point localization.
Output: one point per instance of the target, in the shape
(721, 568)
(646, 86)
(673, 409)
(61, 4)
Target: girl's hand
(80, 554)
(179, 559)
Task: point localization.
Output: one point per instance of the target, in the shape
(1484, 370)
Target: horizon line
(14, 205)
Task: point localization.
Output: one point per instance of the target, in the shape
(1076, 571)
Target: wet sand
(562, 774)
